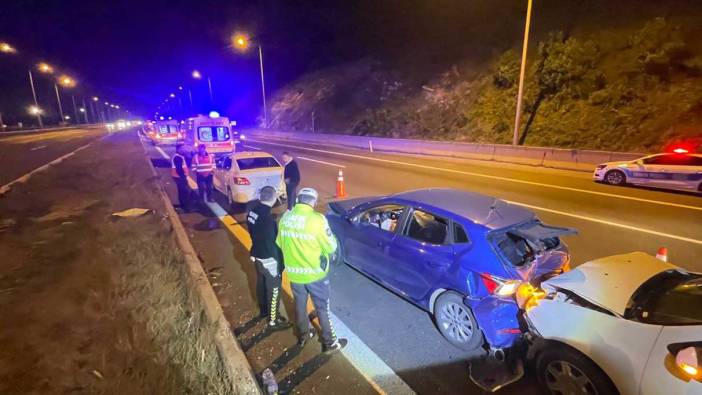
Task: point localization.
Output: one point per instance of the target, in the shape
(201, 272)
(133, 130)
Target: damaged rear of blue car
(458, 255)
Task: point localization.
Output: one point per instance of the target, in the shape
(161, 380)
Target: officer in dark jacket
(268, 259)
(292, 178)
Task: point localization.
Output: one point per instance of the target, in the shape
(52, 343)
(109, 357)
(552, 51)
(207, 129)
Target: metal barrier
(569, 159)
(56, 129)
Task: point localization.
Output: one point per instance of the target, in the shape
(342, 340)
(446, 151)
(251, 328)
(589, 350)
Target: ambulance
(165, 132)
(212, 130)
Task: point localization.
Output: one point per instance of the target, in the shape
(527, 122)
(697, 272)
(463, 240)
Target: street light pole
(36, 104)
(58, 100)
(263, 88)
(209, 85)
(520, 92)
(75, 109)
(85, 111)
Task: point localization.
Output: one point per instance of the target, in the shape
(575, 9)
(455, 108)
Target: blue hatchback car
(458, 255)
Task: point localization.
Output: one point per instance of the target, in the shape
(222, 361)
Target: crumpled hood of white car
(611, 281)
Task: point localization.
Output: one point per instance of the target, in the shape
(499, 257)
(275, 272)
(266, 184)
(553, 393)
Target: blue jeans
(319, 292)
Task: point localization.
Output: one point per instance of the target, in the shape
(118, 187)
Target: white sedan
(627, 324)
(241, 176)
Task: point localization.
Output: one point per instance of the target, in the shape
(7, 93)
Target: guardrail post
(370, 145)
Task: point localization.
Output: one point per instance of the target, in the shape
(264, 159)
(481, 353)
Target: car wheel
(615, 177)
(456, 322)
(562, 370)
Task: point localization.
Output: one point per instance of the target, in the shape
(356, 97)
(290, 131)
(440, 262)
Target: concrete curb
(236, 365)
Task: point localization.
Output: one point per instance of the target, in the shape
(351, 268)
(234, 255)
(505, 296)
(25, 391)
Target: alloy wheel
(564, 378)
(456, 322)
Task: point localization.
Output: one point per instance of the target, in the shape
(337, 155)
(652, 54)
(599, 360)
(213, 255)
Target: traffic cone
(340, 190)
(662, 254)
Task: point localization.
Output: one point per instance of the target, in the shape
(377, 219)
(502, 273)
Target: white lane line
(468, 173)
(24, 178)
(601, 221)
(252, 147)
(321, 161)
(378, 374)
(38, 148)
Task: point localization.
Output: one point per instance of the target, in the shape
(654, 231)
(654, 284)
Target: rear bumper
(498, 319)
(248, 193)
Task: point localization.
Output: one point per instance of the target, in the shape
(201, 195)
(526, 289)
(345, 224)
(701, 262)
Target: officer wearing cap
(307, 244)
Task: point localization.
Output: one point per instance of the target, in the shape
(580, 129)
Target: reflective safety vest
(203, 165)
(305, 239)
(184, 165)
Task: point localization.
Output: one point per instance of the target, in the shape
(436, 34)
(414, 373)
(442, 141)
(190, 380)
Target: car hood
(610, 281)
(622, 163)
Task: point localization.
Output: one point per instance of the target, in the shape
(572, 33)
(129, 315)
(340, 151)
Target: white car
(627, 324)
(241, 176)
(678, 170)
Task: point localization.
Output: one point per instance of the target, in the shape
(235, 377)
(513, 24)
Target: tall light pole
(197, 75)
(242, 42)
(36, 103)
(75, 109)
(84, 110)
(58, 100)
(66, 82)
(520, 92)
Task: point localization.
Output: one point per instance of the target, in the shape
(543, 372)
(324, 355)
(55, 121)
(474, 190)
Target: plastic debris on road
(131, 213)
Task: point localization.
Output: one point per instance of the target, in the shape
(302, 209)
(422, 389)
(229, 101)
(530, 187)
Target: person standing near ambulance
(267, 258)
(179, 172)
(307, 243)
(203, 166)
(291, 174)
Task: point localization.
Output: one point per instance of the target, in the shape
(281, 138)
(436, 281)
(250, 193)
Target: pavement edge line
(237, 366)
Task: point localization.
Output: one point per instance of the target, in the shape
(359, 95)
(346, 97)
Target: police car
(678, 170)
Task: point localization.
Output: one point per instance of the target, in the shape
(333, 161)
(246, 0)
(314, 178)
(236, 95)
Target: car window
(696, 160)
(257, 163)
(654, 160)
(213, 133)
(672, 297)
(459, 234)
(672, 160)
(427, 228)
(385, 217)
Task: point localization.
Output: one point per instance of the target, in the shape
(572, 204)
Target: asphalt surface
(22, 153)
(610, 220)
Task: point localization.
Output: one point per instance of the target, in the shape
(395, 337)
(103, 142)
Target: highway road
(403, 338)
(22, 153)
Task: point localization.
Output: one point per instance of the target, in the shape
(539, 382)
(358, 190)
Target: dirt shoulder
(93, 304)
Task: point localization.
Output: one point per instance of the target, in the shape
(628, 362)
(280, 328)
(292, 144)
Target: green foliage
(568, 66)
(507, 73)
(659, 47)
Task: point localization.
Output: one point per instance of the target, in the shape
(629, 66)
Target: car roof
(481, 209)
(251, 154)
(611, 281)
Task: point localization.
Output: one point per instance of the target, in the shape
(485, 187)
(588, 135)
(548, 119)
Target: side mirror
(688, 360)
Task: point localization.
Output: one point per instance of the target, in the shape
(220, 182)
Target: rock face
(634, 86)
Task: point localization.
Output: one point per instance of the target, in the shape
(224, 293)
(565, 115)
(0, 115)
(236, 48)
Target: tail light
(241, 181)
(528, 296)
(499, 287)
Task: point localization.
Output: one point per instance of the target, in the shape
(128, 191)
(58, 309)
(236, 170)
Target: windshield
(256, 163)
(520, 244)
(213, 133)
(669, 298)
(167, 129)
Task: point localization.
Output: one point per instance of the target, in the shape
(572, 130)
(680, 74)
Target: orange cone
(662, 254)
(340, 190)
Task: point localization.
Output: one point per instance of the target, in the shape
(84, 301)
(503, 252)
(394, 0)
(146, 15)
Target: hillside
(632, 84)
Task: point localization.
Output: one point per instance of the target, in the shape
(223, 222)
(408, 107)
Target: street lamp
(171, 95)
(197, 75)
(34, 110)
(522, 69)
(7, 48)
(66, 82)
(242, 43)
(44, 68)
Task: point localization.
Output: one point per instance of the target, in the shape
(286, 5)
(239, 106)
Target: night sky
(135, 53)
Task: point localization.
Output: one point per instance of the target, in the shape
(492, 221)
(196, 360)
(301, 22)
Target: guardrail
(559, 158)
(56, 129)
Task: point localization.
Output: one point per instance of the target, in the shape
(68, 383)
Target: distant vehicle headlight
(242, 137)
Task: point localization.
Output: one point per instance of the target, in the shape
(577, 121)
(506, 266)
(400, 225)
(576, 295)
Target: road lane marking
(601, 221)
(378, 374)
(252, 147)
(468, 173)
(38, 148)
(321, 161)
(24, 178)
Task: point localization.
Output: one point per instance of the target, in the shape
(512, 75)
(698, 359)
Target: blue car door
(369, 238)
(420, 255)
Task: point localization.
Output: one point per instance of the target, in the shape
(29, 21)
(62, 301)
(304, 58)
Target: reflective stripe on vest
(203, 165)
(184, 165)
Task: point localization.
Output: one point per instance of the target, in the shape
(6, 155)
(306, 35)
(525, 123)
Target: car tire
(615, 177)
(561, 366)
(456, 322)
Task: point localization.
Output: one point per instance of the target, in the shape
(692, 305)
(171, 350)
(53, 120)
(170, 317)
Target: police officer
(203, 166)
(267, 257)
(291, 174)
(179, 172)
(307, 243)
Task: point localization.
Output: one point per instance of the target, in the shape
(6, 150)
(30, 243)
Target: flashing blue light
(214, 114)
